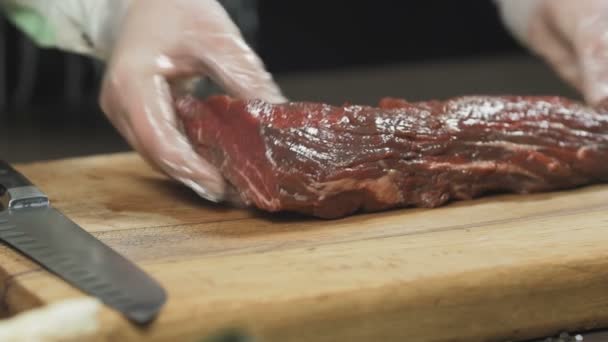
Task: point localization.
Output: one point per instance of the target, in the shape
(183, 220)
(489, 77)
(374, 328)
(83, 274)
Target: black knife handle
(17, 192)
(11, 178)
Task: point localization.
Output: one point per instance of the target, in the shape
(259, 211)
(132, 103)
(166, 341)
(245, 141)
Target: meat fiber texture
(332, 161)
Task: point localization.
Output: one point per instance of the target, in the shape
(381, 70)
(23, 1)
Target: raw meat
(331, 161)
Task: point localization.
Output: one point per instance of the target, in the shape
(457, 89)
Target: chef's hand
(162, 42)
(572, 36)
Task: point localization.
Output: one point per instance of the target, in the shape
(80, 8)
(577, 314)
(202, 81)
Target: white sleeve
(86, 27)
(516, 16)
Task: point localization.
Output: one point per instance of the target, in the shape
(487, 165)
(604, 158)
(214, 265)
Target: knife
(31, 225)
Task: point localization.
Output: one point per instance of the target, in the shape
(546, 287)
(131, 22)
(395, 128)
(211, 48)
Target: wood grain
(499, 268)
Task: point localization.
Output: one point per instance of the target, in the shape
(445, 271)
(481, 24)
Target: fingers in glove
(196, 39)
(149, 124)
(554, 44)
(224, 56)
(240, 72)
(592, 48)
(581, 28)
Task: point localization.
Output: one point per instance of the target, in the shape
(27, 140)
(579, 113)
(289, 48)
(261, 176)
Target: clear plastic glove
(571, 35)
(161, 44)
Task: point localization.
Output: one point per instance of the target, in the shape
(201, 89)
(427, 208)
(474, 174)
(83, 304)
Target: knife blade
(29, 224)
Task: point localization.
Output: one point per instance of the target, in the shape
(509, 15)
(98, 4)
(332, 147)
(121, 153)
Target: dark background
(312, 35)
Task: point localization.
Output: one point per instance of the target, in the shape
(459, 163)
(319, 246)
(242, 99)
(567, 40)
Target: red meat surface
(332, 161)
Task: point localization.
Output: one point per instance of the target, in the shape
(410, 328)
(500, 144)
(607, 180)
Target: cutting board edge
(426, 310)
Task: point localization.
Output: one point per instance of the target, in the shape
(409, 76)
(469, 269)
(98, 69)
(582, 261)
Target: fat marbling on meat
(332, 161)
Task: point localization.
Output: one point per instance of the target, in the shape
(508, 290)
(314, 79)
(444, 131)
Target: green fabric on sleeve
(31, 22)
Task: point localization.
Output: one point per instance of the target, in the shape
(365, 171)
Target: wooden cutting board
(500, 268)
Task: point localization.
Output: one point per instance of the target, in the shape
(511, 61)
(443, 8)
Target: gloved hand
(163, 43)
(572, 36)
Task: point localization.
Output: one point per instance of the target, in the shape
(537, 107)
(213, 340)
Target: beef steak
(331, 161)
